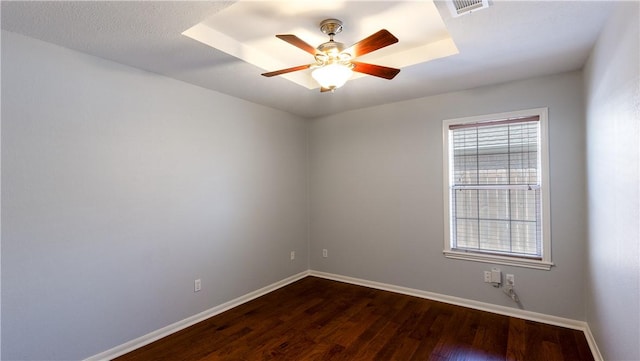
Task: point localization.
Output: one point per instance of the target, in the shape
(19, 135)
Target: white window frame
(545, 262)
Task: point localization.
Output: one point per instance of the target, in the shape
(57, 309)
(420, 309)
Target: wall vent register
(462, 7)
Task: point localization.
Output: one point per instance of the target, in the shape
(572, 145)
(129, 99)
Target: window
(496, 189)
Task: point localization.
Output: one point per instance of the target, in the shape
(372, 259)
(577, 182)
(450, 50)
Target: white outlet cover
(511, 280)
(487, 276)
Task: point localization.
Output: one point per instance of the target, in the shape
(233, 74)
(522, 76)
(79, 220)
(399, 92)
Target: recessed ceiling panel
(247, 31)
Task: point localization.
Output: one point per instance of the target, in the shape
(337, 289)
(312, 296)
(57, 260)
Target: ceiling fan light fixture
(332, 76)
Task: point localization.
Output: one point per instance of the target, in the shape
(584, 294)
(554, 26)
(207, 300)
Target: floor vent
(462, 7)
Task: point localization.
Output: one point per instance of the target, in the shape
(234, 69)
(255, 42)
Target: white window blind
(496, 191)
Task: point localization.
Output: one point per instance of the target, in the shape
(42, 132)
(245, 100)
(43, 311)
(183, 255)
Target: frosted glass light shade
(332, 76)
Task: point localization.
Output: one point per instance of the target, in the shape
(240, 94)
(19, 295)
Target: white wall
(120, 187)
(377, 201)
(612, 84)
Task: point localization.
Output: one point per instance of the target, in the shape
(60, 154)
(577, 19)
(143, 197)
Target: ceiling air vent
(462, 7)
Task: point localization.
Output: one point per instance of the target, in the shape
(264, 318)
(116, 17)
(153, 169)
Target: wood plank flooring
(318, 319)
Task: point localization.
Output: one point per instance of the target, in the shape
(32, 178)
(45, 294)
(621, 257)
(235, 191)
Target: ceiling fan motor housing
(331, 51)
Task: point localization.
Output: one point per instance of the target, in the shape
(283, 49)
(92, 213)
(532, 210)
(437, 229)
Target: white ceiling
(508, 41)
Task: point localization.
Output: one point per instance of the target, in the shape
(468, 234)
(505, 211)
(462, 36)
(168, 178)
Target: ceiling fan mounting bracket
(331, 27)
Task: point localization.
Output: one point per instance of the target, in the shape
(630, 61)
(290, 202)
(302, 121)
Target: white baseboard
(501, 310)
(175, 327)
(482, 306)
(592, 344)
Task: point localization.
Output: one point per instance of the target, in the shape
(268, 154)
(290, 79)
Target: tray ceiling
(247, 29)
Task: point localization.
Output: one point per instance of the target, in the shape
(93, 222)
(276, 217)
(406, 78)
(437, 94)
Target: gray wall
(612, 83)
(377, 195)
(120, 187)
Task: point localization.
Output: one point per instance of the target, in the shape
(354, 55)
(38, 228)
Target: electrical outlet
(511, 280)
(325, 253)
(487, 276)
(496, 276)
(197, 285)
(293, 255)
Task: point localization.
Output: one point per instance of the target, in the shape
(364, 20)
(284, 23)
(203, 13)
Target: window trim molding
(544, 263)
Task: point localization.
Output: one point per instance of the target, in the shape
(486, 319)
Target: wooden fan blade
(297, 42)
(288, 70)
(375, 70)
(322, 90)
(374, 42)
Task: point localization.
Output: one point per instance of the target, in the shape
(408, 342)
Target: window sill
(509, 261)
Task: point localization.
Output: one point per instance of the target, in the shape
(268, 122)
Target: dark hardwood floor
(318, 319)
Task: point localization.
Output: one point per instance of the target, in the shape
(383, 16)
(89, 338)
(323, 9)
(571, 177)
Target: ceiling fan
(334, 64)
